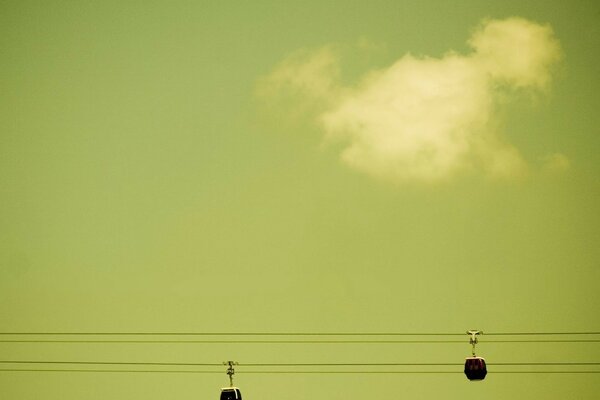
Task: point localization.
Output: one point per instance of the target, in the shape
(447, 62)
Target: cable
(286, 372)
(539, 333)
(546, 372)
(266, 341)
(233, 333)
(179, 364)
(112, 363)
(292, 333)
(293, 365)
(111, 370)
(231, 341)
(418, 372)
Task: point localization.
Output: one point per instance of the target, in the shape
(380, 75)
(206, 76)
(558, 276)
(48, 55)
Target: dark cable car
(231, 393)
(475, 368)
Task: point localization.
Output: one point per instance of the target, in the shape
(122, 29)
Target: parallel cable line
(285, 372)
(177, 364)
(233, 333)
(419, 372)
(380, 364)
(112, 370)
(538, 333)
(545, 372)
(166, 341)
(295, 333)
(232, 341)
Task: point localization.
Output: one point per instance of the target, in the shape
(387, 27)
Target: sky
(314, 166)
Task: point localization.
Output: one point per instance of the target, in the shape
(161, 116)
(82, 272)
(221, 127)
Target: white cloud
(421, 119)
(428, 119)
(517, 51)
(310, 75)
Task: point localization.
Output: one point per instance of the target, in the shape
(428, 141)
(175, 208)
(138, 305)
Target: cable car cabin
(231, 393)
(475, 368)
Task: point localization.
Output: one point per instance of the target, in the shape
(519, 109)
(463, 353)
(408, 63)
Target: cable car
(231, 393)
(475, 368)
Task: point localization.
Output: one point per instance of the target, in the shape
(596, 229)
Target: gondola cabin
(231, 393)
(475, 368)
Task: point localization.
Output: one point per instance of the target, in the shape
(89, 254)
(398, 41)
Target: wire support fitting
(230, 370)
(473, 338)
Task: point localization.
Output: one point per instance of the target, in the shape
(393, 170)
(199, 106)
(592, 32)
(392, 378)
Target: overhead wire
(140, 333)
(299, 341)
(280, 337)
(314, 364)
(567, 367)
(297, 368)
(287, 372)
(295, 337)
(234, 340)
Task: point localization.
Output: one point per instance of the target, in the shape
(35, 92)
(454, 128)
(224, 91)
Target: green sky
(157, 175)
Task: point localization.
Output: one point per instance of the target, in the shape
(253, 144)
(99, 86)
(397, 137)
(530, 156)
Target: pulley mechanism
(230, 370)
(231, 392)
(473, 339)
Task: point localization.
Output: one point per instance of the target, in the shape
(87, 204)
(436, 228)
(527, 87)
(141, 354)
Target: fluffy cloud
(516, 51)
(427, 119)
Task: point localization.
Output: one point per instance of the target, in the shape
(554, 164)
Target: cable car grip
(230, 370)
(473, 338)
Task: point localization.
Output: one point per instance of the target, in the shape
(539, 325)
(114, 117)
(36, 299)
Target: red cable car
(475, 368)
